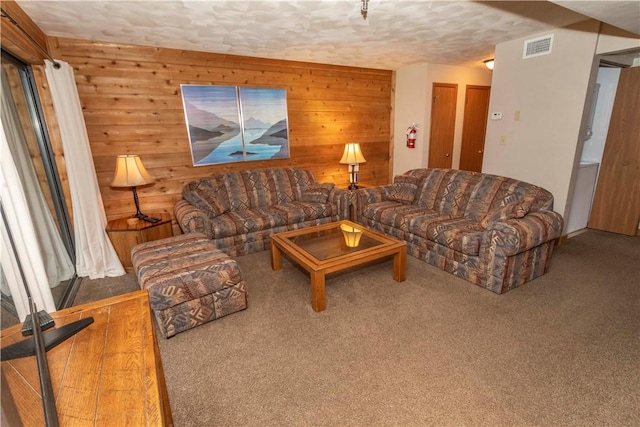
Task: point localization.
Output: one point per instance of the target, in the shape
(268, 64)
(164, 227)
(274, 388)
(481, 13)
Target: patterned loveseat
(493, 231)
(240, 210)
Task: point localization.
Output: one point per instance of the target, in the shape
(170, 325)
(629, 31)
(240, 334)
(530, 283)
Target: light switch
(496, 116)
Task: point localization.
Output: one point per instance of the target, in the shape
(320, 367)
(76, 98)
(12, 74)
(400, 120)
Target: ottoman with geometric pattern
(189, 280)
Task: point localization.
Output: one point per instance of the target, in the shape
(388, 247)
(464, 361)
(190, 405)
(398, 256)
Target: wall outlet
(496, 116)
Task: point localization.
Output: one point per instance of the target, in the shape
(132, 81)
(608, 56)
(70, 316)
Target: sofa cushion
(299, 212)
(460, 234)
(482, 196)
(314, 211)
(300, 179)
(318, 193)
(208, 195)
(390, 213)
(294, 212)
(428, 187)
(247, 221)
(282, 181)
(260, 187)
(372, 210)
(236, 190)
(513, 210)
(419, 224)
(403, 189)
(512, 190)
(455, 192)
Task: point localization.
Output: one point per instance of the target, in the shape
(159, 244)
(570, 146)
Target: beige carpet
(562, 350)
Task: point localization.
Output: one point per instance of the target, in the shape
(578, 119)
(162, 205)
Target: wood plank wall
(132, 104)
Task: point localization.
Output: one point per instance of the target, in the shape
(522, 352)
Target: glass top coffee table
(333, 247)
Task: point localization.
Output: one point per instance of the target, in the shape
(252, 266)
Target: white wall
(545, 146)
(414, 86)
(410, 107)
(549, 93)
(614, 39)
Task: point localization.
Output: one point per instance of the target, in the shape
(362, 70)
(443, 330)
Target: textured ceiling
(395, 33)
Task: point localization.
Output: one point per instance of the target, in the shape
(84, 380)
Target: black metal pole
(46, 387)
(135, 199)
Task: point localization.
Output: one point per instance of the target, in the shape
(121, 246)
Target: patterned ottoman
(190, 281)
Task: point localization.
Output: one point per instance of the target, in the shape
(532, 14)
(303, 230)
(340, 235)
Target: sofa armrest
(342, 199)
(365, 196)
(513, 236)
(191, 219)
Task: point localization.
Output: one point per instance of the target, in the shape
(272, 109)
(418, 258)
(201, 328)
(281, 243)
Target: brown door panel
(616, 203)
(443, 121)
(474, 127)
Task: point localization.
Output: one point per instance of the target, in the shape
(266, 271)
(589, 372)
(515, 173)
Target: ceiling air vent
(538, 46)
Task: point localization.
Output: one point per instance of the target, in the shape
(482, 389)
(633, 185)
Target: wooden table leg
(318, 300)
(276, 257)
(400, 265)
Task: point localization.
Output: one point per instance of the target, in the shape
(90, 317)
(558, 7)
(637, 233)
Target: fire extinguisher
(411, 135)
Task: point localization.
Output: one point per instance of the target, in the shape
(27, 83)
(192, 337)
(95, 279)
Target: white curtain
(57, 263)
(95, 256)
(18, 218)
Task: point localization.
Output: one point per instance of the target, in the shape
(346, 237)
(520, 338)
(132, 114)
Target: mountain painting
(234, 124)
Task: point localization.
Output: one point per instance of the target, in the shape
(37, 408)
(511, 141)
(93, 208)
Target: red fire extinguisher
(411, 135)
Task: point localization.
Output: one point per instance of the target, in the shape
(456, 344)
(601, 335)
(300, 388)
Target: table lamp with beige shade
(131, 173)
(352, 156)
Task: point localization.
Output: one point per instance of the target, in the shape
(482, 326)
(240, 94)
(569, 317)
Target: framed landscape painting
(234, 124)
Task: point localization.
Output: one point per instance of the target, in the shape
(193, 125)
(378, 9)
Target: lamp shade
(351, 235)
(352, 154)
(130, 172)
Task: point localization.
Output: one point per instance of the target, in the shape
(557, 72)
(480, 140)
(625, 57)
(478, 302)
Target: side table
(352, 212)
(125, 236)
(108, 374)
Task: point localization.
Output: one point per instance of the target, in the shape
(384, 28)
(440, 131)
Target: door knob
(446, 155)
(479, 151)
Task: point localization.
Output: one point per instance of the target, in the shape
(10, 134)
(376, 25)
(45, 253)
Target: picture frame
(229, 124)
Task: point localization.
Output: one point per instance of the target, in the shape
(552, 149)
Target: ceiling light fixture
(489, 63)
(364, 9)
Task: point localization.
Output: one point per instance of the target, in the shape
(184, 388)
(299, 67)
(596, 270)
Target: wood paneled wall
(132, 104)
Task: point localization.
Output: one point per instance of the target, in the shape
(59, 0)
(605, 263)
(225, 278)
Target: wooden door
(616, 204)
(443, 121)
(474, 127)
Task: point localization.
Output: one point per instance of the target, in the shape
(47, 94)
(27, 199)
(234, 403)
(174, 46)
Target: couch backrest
(458, 193)
(241, 190)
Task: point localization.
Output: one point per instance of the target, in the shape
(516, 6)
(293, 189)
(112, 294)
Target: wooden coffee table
(330, 247)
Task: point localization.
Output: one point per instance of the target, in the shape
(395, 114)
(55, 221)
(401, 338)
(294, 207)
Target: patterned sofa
(240, 210)
(493, 231)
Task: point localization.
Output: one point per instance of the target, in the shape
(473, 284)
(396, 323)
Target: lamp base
(353, 186)
(144, 217)
(139, 214)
